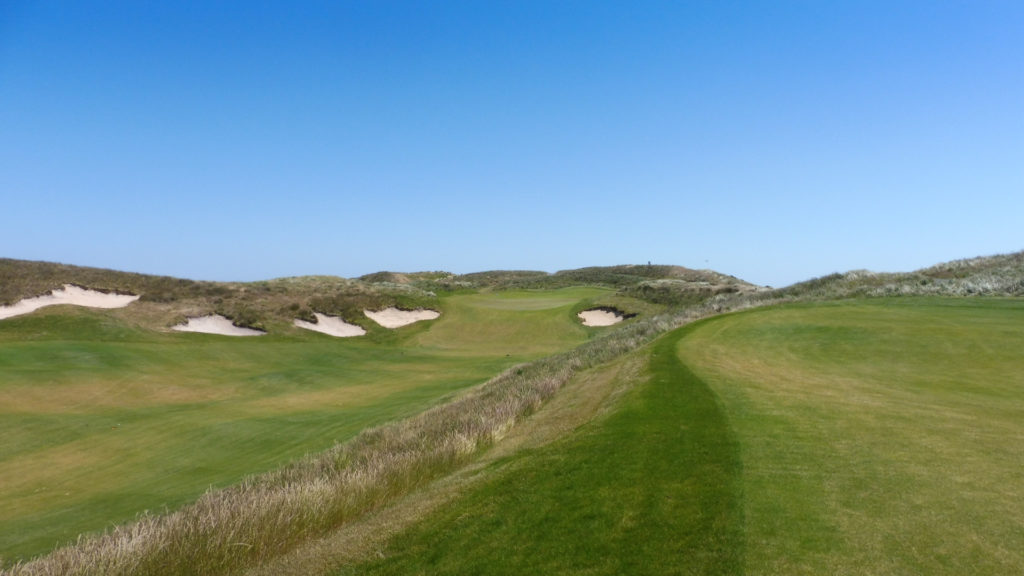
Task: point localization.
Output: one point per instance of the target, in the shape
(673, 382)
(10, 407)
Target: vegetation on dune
(609, 276)
(1000, 275)
(249, 304)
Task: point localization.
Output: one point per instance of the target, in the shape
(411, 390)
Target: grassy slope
(101, 419)
(877, 437)
(651, 489)
(867, 437)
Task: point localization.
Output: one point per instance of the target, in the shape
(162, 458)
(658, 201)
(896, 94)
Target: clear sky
(775, 141)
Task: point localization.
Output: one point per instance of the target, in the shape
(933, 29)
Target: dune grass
(876, 437)
(102, 419)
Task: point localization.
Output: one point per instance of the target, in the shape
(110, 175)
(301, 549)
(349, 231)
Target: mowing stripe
(708, 461)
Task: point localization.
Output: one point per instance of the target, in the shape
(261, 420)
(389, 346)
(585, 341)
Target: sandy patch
(395, 318)
(216, 324)
(68, 295)
(600, 317)
(331, 325)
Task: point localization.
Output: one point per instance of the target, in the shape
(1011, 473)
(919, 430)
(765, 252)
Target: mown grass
(878, 436)
(653, 488)
(862, 437)
(102, 419)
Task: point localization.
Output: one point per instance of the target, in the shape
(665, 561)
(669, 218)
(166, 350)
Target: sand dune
(70, 294)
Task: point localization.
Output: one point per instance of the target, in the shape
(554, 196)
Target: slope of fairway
(652, 488)
(869, 437)
(101, 420)
(877, 437)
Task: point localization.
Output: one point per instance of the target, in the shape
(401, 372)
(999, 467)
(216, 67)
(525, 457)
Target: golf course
(102, 420)
(843, 425)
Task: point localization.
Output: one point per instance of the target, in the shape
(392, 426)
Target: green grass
(651, 489)
(863, 437)
(877, 437)
(866, 436)
(101, 419)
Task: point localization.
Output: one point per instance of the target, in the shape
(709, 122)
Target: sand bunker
(331, 325)
(395, 318)
(70, 294)
(600, 317)
(216, 324)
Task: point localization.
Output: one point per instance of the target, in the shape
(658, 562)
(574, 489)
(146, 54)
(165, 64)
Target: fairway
(876, 437)
(862, 437)
(101, 419)
(650, 488)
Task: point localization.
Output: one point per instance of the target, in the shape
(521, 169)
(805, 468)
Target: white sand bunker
(331, 325)
(395, 318)
(600, 317)
(216, 324)
(70, 294)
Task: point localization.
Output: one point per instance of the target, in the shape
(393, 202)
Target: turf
(878, 436)
(101, 419)
(862, 437)
(651, 489)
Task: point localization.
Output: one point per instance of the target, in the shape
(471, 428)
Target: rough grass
(999, 275)
(265, 304)
(877, 437)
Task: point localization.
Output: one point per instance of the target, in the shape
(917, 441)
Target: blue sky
(775, 141)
